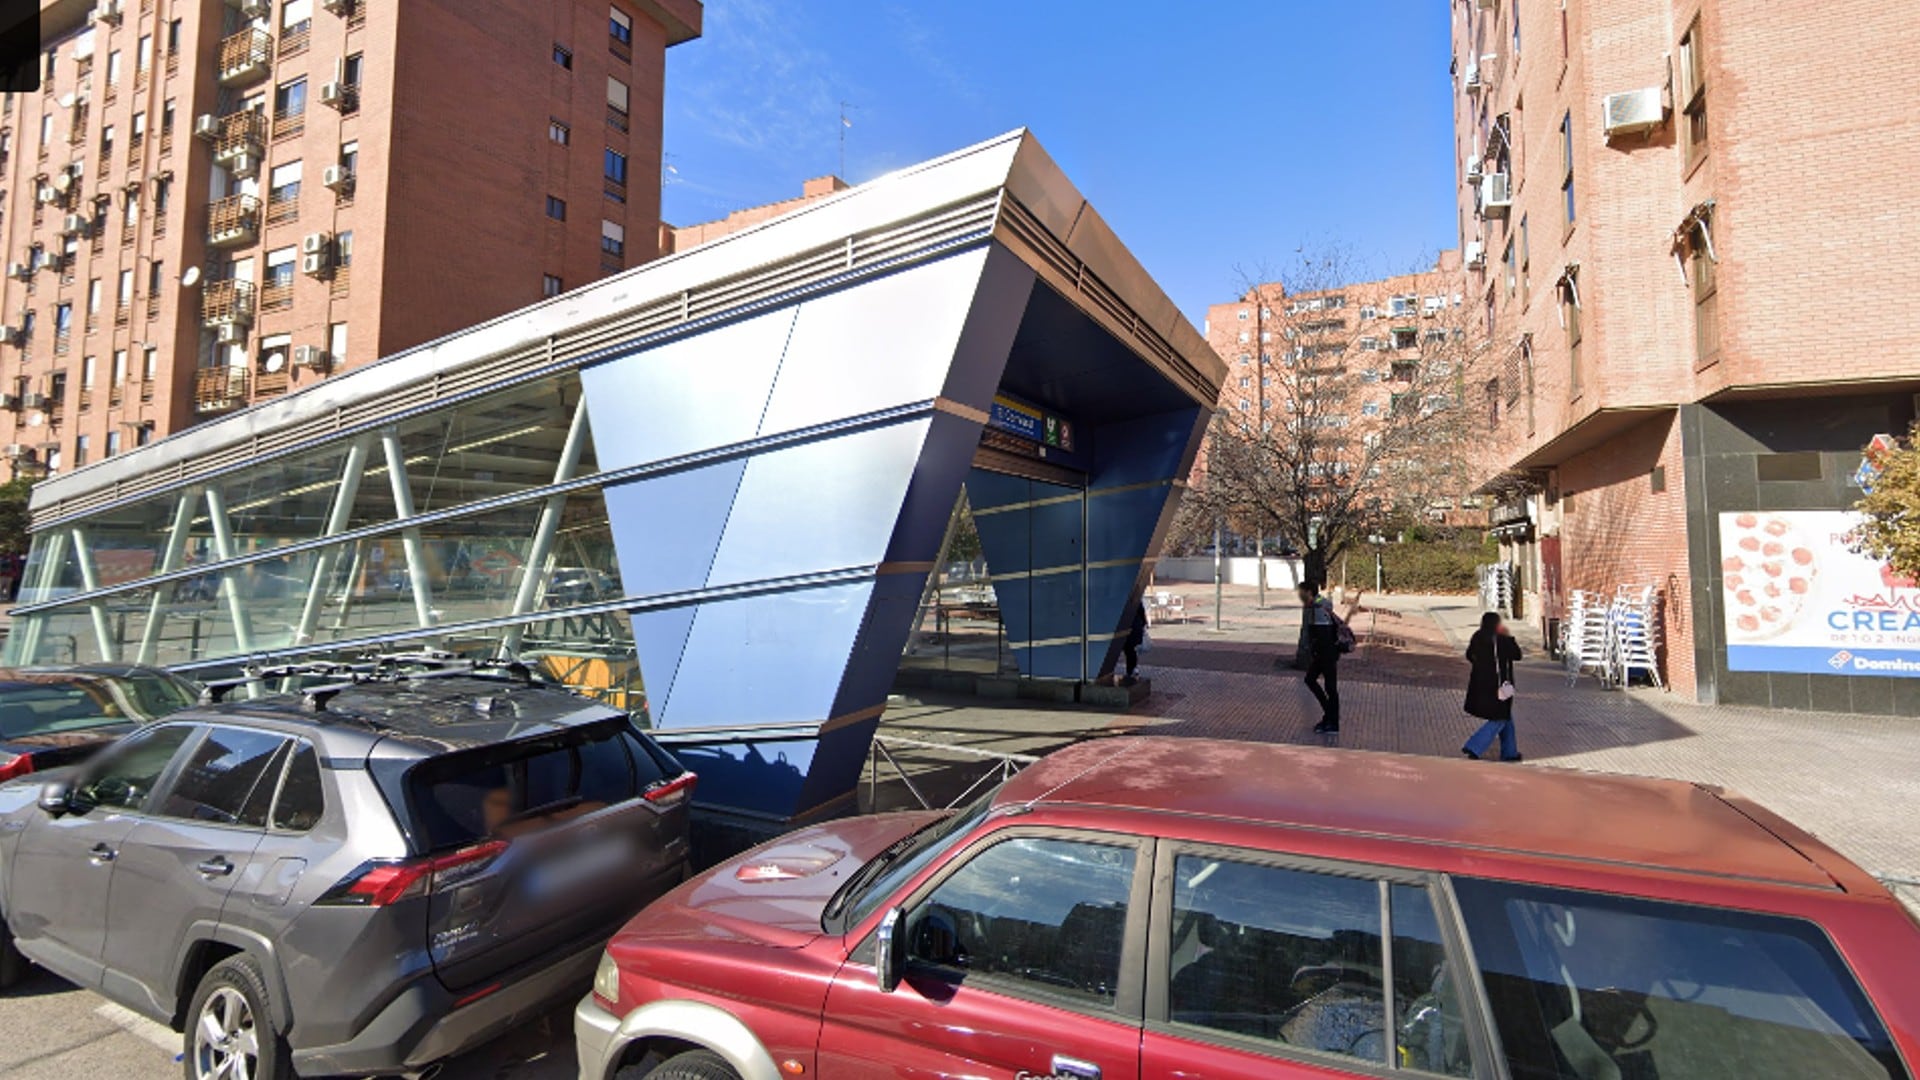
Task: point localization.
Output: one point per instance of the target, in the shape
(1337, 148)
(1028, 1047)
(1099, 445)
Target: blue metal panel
(1111, 594)
(765, 778)
(836, 767)
(667, 528)
(1155, 447)
(1120, 524)
(689, 394)
(888, 342)
(776, 658)
(1006, 287)
(1053, 661)
(659, 637)
(822, 505)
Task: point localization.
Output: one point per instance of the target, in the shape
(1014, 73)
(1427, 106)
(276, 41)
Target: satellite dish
(191, 277)
(66, 101)
(275, 361)
(35, 419)
(63, 182)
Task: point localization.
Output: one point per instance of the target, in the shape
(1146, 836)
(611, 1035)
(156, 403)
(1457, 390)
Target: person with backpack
(1327, 637)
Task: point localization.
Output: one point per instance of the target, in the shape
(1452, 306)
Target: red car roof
(1559, 813)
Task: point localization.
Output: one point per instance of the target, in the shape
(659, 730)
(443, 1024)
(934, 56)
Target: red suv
(1155, 907)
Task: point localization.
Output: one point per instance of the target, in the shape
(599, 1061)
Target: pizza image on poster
(1796, 597)
(1767, 571)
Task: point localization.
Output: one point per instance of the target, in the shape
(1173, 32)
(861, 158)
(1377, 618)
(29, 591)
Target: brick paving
(1851, 780)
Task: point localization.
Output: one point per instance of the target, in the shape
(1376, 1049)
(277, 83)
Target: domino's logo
(1839, 661)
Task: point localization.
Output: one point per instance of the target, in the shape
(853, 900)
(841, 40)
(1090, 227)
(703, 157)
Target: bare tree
(1347, 404)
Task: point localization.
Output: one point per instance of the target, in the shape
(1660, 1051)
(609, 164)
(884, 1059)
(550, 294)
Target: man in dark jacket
(1136, 636)
(1322, 630)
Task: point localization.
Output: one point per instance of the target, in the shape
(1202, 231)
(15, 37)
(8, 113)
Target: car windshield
(883, 875)
(50, 705)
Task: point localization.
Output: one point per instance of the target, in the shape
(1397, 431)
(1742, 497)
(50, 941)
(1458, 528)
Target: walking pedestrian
(1492, 652)
(1136, 637)
(1322, 628)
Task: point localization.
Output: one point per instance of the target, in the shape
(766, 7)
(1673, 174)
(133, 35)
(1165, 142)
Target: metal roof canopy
(1006, 189)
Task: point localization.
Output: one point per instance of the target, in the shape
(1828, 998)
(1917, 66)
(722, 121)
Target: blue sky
(1207, 143)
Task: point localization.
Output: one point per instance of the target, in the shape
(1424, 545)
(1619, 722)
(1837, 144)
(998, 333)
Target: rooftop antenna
(844, 125)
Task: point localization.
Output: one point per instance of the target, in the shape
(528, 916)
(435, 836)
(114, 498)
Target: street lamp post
(1219, 542)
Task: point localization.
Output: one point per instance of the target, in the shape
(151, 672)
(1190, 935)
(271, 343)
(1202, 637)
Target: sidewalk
(1841, 777)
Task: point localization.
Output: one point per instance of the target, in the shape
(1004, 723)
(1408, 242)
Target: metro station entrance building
(730, 488)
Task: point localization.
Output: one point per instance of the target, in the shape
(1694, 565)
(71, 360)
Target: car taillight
(671, 793)
(17, 768)
(382, 881)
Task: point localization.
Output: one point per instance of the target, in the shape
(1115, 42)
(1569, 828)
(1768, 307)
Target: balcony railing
(233, 221)
(276, 295)
(616, 118)
(287, 127)
(267, 383)
(243, 132)
(281, 210)
(342, 278)
(226, 302)
(86, 399)
(294, 39)
(123, 313)
(357, 15)
(217, 389)
(173, 63)
(245, 56)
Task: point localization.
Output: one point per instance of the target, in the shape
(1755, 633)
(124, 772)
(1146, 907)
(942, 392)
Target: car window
(157, 695)
(219, 778)
(511, 789)
(1047, 914)
(125, 775)
(260, 799)
(46, 708)
(1591, 987)
(1430, 1026)
(1285, 956)
(301, 800)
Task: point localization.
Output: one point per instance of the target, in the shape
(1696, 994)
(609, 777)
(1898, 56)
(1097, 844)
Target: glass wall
(469, 550)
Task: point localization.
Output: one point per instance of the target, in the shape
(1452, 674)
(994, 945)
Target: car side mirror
(890, 949)
(56, 797)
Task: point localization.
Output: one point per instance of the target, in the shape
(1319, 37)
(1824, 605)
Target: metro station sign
(1030, 422)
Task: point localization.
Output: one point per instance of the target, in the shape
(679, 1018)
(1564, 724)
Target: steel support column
(223, 550)
(89, 581)
(536, 573)
(337, 519)
(175, 550)
(417, 579)
(47, 575)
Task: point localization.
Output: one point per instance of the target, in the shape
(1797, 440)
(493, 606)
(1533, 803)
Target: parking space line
(140, 1027)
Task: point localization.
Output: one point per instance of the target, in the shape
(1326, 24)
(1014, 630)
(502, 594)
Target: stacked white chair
(1587, 637)
(1634, 638)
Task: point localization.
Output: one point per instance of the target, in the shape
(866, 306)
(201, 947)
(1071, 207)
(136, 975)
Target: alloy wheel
(225, 1043)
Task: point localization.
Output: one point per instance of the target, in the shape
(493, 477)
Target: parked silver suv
(366, 877)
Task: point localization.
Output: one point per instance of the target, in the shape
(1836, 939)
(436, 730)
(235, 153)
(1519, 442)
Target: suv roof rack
(375, 667)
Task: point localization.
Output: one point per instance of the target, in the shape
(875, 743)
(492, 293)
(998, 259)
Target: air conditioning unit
(74, 225)
(1496, 196)
(47, 194)
(34, 400)
(107, 11)
(20, 271)
(256, 9)
(231, 333)
(312, 357)
(315, 243)
(244, 165)
(336, 7)
(1633, 112)
(333, 94)
(1476, 255)
(336, 178)
(16, 451)
(1472, 82)
(11, 335)
(316, 264)
(1473, 169)
(206, 126)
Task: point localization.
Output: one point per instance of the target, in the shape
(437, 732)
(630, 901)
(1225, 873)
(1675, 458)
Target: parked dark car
(1167, 907)
(363, 878)
(53, 716)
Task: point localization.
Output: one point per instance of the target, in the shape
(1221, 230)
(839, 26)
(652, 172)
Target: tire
(13, 966)
(233, 998)
(695, 1065)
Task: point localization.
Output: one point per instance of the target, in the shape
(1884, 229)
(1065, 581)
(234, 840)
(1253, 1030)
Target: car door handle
(1074, 1067)
(218, 866)
(101, 853)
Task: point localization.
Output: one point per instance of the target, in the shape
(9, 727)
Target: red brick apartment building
(1367, 344)
(681, 237)
(1692, 227)
(213, 202)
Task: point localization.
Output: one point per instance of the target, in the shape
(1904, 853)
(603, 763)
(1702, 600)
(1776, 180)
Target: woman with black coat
(1492, 652)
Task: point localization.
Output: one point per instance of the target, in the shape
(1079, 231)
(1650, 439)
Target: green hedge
(1432, 566)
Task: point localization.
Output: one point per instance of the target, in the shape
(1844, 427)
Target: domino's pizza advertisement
(1797, 599)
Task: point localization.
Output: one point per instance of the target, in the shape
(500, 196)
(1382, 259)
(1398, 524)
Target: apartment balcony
(244, 132)
(341, 281)
(245, 57)
(226, 303)
(295, 39)
(616, 118)
(282, 210)
(218, 389)
(289, 125)
(233, 221)
(268, 382)
(276, 295)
